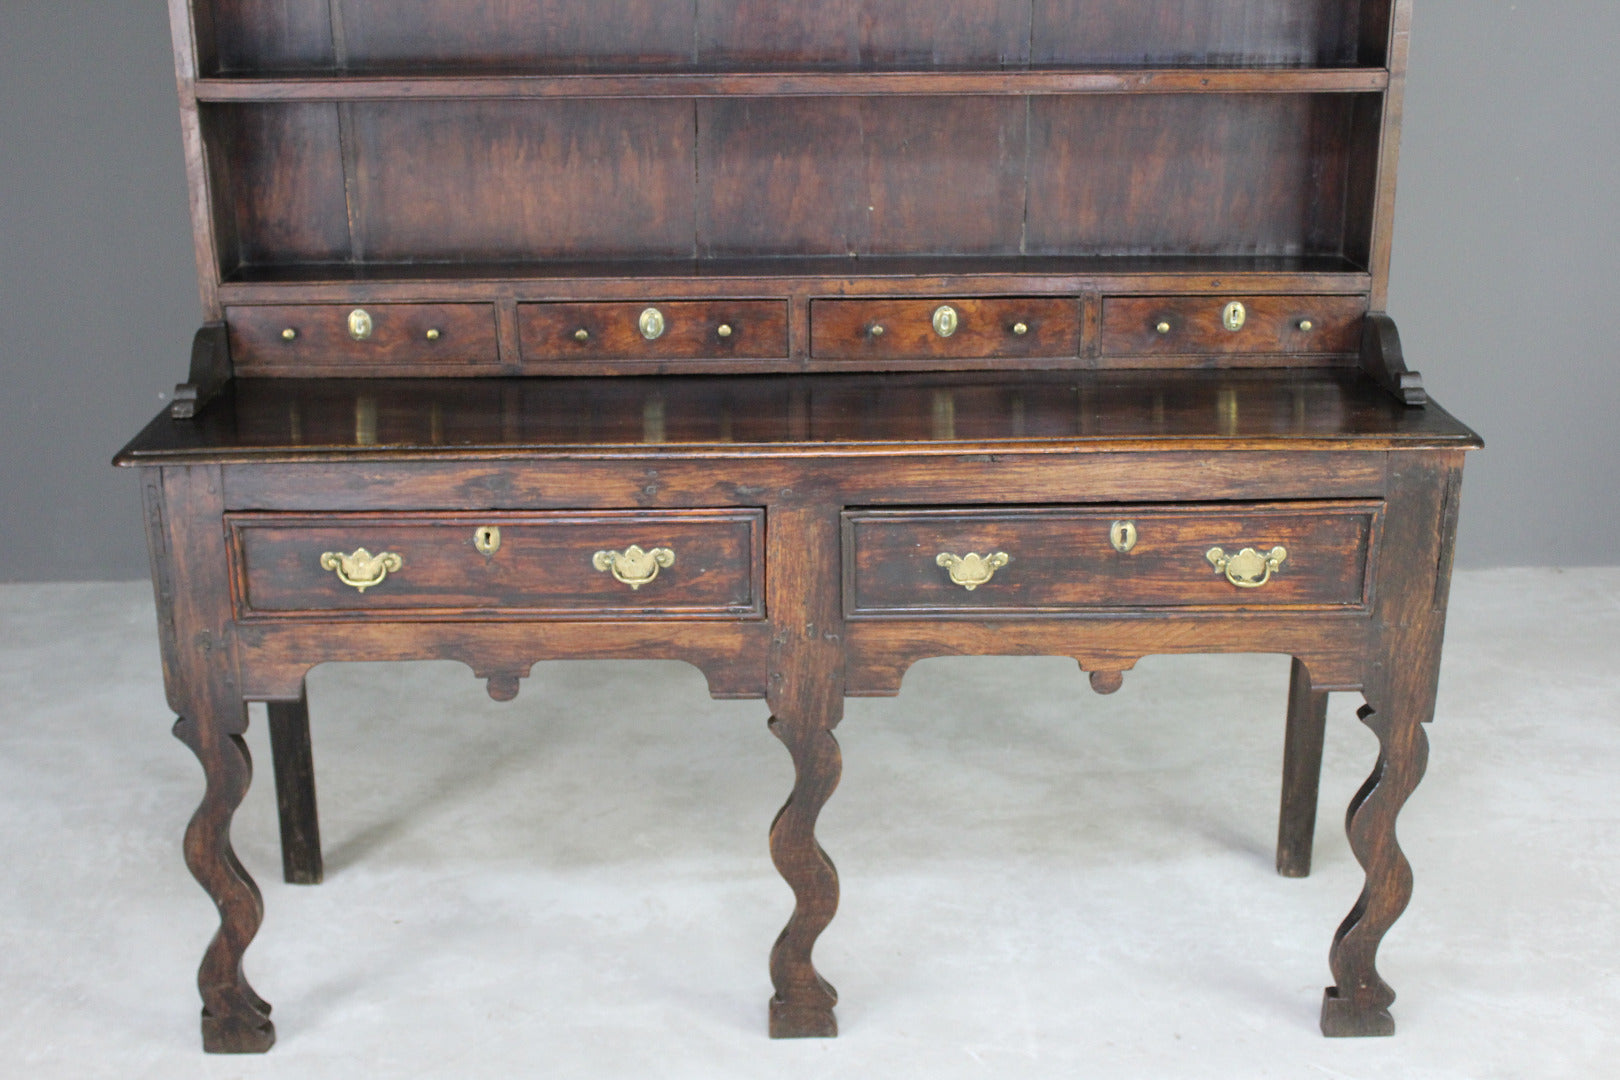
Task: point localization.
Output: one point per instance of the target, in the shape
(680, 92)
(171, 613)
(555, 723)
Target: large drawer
(654, 332)
(1178, 325)
(346, 339)
(1072, 559)
(944, 329)
(610, 564)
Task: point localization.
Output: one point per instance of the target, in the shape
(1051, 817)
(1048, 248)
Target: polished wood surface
(285, 418)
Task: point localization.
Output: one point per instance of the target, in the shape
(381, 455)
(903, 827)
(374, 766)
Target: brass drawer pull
(972, 570)
(1248, 569)
(361, 569)
(651, 324)
(632, 566)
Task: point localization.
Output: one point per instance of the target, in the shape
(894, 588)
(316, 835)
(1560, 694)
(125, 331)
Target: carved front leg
(235, 1020)
(806, 696)
(1403, 677)
(803, 1003)
(1358, 1002)
(186, 529)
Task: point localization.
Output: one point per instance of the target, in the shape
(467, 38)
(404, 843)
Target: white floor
(1037, 881)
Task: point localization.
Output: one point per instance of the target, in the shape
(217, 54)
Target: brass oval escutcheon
(945, 320)
(1235, 316)
(651, 324)
(360, 569)
(971, 570)
(1122, 534)
(487, 539)
(633, 566)
(1248, 569)
(360, 324)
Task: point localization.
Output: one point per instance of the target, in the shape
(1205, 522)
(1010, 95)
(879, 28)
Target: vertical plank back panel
(861, 176)
(1214, 32)
(523, 180)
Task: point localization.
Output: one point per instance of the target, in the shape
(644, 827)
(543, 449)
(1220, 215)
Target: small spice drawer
(346, 339)
(605, 564)
(982, 329)
(1178, 325)
(677, 330)
(1077, 559)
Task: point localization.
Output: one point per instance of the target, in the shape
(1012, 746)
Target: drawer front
(656, 331)
(1065, 559)
(347, 339)
(1174, 325)
(684, 563)
(1004, 327)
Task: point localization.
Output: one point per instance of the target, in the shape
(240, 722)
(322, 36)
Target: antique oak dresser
(799, 341)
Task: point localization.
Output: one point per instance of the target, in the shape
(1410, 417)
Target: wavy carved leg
(1302, 774)
(806, 696)
(1358, 1002)
(235, 1020)
(294, 763)
(803, 1004)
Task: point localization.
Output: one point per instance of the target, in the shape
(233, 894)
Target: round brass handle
(1020, 328)
(633, 566)
(582, 335)
(945, 320)
(1234, 316)
(432, 335)
(877, 330)
(724, 330)
(651, 324)
(360, 324)
(1163, 327)
(1248, 569)
(289, 334)
(1306, 326)
(361, 569)
(971, 570)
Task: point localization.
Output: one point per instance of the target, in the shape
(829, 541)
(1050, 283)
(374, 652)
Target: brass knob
(1234, 316)
(361, 569)
(651, 324)
(487, 539)
(289, 334)
(724, 330)
(1020, 328)
(582, 334)
(1306, 326)
(1163, 327)
(360, 325)
(633, 566)
(971, 570)
(945, 320)
(877, 331)
(1248, 569)
(432, 335)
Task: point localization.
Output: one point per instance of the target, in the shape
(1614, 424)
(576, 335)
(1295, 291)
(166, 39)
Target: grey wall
(1507, 258)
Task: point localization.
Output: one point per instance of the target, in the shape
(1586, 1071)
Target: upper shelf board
(441, 87)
